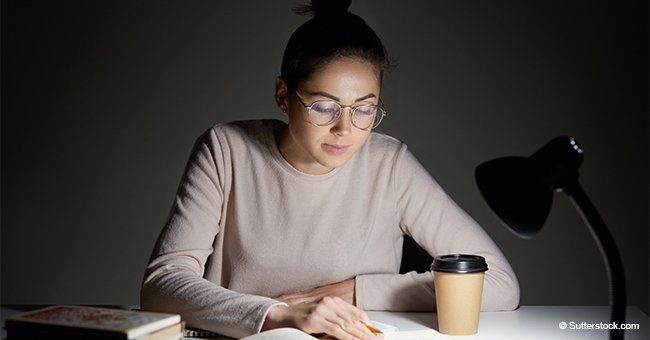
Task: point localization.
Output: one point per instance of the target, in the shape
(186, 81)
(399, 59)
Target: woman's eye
(366, 110)
(330, 108)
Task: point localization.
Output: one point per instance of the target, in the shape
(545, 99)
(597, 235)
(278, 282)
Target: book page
(294, 334)
(427, 334)
(280, 334)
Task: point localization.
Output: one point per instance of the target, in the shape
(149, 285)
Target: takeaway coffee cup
(458, 280)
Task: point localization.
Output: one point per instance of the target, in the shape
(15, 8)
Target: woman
(302, 224)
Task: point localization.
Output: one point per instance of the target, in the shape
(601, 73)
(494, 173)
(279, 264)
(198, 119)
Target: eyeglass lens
(363, 117)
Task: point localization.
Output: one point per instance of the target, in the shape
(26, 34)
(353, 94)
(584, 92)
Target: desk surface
(527, 322)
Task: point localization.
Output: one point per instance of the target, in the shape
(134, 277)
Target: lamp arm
(609, 251)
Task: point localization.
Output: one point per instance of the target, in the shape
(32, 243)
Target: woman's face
(319, 149)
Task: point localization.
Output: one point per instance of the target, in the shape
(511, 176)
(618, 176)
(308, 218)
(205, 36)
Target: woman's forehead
(344, 77)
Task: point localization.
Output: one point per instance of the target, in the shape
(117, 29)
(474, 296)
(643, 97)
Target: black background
(102, 100)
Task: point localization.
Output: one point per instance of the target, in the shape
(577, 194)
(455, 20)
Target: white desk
(527, 322)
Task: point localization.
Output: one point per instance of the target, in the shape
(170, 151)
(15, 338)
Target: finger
(325, 319)
(350, 312)
(359, 330)
(340, 332)
(359, 318)
(345, 318)
(371, 327)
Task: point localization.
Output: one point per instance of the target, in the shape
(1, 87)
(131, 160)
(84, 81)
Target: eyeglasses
(326, 112)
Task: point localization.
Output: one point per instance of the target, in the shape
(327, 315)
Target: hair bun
(325, 8)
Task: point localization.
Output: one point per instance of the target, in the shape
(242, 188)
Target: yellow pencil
(372, 328)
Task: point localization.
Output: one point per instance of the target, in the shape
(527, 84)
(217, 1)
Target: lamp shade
(520, 189)
(514, 194)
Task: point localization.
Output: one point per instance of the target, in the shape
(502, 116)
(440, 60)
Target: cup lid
(459, 263)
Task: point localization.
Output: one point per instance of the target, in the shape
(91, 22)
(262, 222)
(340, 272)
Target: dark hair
(332, 33)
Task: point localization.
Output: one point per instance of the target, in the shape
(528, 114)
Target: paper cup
(458, 281)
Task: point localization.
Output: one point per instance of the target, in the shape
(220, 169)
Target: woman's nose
(343, 125)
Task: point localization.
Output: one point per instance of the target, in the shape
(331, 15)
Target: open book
(295, 334)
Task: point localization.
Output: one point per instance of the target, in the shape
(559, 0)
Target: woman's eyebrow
(335, 98)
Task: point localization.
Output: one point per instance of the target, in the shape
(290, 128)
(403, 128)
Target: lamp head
(520, 189)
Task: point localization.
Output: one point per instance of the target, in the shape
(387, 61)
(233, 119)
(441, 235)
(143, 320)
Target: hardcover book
(81, 322)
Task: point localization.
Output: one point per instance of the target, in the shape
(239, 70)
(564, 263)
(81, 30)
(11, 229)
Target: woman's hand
(343, 290)
(331, 316)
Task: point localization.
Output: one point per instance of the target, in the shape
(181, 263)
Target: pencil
(372, 328)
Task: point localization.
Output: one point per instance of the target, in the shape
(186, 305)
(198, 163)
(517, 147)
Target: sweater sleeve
(173, 279)
(439, 226)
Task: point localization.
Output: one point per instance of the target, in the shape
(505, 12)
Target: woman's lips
(335, 149)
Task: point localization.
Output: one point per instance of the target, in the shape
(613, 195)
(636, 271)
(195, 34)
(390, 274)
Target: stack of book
(81, 322)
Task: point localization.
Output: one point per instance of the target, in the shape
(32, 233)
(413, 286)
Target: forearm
(343, 290)
(395, 292)
(203, 304)
(415, 291)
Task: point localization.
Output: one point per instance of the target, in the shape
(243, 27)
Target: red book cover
(100, 323)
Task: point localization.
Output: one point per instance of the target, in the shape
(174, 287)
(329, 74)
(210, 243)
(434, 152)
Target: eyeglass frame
(380, 107)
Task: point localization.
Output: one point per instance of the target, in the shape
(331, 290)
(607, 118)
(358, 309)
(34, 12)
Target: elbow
(147, 299)
(155, 284)
(501, 296)
(510, 299)
(502, 302)
(152, 294)
(511, 294)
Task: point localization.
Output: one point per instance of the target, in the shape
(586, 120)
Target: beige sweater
(246, 226)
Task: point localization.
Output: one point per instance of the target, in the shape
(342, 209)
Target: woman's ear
(281, 94)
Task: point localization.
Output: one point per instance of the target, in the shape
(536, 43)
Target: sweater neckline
(272, 136)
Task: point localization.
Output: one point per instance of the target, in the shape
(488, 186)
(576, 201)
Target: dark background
(102, 100)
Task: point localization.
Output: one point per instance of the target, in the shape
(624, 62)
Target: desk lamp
(520, 191)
